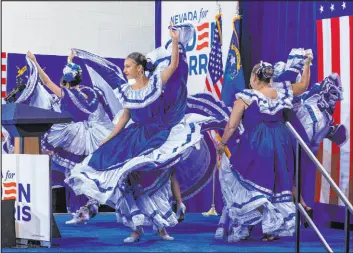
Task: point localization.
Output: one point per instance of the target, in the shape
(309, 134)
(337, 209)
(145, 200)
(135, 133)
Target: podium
(27, 124)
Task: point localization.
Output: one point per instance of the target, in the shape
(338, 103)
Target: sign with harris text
(26, 179)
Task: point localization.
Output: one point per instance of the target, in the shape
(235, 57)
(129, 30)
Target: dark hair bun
(265, 72)
(149, 65)
(140, 59)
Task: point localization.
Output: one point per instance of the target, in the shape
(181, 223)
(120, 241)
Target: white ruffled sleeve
(266, 104)
(134, 99)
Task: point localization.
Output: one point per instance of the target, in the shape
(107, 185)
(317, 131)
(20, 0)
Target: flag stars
(332, 8)
(343, 5)
(321, 9)
(232, 60)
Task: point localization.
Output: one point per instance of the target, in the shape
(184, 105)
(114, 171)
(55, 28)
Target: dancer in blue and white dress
(159, 140)
(257, 181)
(314, 108)
(312, 118)
(69, 143)
(7, 146)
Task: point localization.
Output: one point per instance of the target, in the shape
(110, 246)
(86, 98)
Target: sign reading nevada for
(202, 16)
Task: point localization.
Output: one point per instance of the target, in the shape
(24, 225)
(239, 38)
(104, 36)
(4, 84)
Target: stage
(195, 234)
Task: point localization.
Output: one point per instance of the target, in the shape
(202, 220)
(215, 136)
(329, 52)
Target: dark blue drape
(157, 23)
(271, 29)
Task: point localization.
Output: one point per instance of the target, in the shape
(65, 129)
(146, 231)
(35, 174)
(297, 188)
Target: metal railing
(299, 207)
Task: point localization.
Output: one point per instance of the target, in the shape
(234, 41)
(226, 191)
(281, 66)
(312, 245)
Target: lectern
(27, 124)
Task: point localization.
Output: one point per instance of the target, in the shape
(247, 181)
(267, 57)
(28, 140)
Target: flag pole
(213, 211)
(218, 7)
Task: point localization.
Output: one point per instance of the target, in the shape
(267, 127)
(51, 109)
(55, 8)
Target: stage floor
(195, 234)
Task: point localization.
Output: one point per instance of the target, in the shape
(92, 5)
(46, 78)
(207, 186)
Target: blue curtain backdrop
(271, 29)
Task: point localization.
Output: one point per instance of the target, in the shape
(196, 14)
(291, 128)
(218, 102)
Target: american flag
(9, 190)
(214, 77)
(202, 36)
(335, 54)
(3, 76)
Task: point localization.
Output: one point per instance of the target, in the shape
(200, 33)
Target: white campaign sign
(202, 15)
(26, 178)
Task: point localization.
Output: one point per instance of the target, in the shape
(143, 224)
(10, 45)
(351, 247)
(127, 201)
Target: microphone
(16, 90)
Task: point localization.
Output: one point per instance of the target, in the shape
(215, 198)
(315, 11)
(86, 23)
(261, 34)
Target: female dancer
(158, 143)
(71, 142)
(312, 127)
(257, 184)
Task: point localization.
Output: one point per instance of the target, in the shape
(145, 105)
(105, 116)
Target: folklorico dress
(69, 142)
(131, 171)
(260, 171)
(312, 115)
(72, 142)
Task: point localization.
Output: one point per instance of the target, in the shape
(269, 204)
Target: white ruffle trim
(269, 105)
(241, 207)
(297, 56)
(81, 138)
(152, 210)
(135, 99)
(84, 179)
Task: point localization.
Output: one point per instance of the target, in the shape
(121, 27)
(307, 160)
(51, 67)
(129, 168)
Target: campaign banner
(202, 16)
(26, 179)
